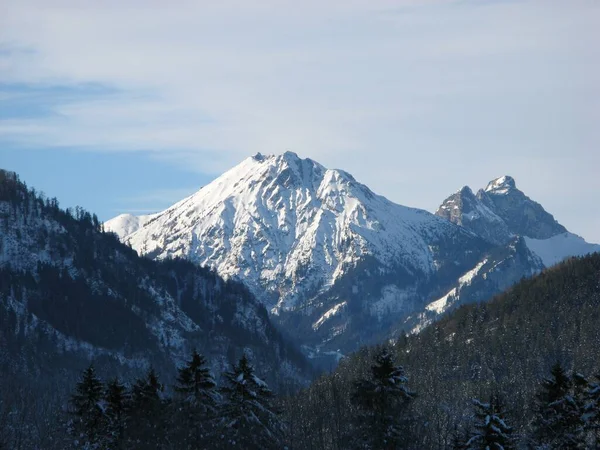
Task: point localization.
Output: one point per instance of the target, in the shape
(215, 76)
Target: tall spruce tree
(147, 428)
(490, 429)
(88, 424)
(116, 400)
(558, 421)
(195, 404)
(249, 419)
(381, 401)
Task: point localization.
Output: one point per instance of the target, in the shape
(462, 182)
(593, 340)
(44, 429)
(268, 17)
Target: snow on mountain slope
(557, 248)
(126, 224)
(290, 228)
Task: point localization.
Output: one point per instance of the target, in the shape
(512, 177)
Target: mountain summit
(296, 233)
(499, 212)
(340, 266)
(289, 228)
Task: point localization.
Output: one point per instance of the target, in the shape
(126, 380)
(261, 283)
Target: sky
(130, 105)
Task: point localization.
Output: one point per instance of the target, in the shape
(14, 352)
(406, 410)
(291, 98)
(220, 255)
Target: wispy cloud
(397, 92)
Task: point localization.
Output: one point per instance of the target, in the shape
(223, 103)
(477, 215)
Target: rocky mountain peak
(501, 185)
(499, 212)
(465, 209)
(290, 228)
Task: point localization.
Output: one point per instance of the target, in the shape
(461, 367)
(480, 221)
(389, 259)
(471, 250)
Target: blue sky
(131, 105)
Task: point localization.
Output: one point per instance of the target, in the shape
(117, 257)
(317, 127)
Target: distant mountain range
(339, 266)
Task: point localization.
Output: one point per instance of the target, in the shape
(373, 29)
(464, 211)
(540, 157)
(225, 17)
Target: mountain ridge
(341, 266)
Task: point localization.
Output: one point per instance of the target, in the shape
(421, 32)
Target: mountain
(499, 212)
(330, 258)
(527, 239)
(505, 346)
(71, 293)
(467, 210)
(339, 266)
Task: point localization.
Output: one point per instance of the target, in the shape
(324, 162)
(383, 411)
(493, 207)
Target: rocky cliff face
(499, 212)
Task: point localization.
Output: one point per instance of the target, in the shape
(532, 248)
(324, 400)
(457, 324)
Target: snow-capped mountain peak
(290, 228)
(338, 263)
(501, 185)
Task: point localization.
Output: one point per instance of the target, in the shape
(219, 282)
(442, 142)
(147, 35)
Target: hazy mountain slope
(70, 293)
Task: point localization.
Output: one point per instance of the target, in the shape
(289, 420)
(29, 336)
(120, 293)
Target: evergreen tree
(196, 403)
(381, 400)
(87, 425)
(249, 419)
(147, 427)
(491, 431)
(558, 422)
(117, 406)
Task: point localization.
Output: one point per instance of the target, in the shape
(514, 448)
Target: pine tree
(196, 403)
(381, 400)
(87, 426)
(117, 406)
(249, 419)
(558, 421)
(491, 431)
(147, 427)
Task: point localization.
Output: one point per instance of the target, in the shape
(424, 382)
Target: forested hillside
(505, 347)
(71, 294)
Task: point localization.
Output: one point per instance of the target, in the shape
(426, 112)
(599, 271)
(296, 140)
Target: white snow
(439, 305)
(500, 186)
(126, 224)
(468, 277)
(557, 248)
(287, 226)
(329, 314)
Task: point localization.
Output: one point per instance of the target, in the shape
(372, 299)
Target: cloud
(401, 93)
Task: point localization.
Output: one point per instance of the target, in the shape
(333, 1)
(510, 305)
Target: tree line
(198, 414)
(244, 413)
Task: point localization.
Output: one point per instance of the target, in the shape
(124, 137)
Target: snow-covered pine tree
(248, 418)
(558, 421)
(381, 400)
(490, 429)
(147, 427)
(195, 404)
(88, 422)
(116, 400)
